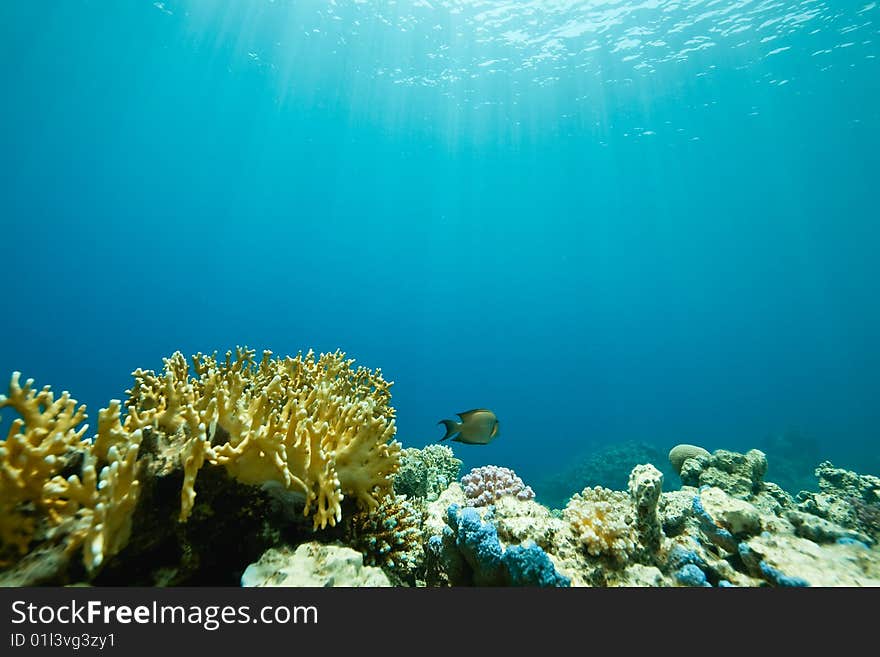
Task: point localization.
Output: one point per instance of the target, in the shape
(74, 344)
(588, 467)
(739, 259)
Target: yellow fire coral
(92, 509)
(317, 426)
(603, 522)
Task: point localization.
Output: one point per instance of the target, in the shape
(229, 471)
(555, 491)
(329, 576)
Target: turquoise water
(606, 221)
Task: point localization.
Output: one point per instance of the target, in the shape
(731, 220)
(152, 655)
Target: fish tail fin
(452, 428)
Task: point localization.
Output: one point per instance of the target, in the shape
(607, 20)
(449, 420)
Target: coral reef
(425, 473)
(477, 559)
(483, 486)
(739, 475)
(846, 498)
(390, 536)
(211, 466)
(313, 564)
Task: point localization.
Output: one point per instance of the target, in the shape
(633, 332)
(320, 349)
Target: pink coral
(482, 486)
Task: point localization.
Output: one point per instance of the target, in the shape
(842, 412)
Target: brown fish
(477, 427)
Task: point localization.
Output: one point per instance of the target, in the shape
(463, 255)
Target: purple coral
(482, 486)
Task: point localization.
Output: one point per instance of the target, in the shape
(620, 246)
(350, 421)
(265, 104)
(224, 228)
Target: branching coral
(91, 508)
(34, 451)
(317, 426)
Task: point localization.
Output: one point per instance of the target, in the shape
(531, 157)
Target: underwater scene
(432, 293)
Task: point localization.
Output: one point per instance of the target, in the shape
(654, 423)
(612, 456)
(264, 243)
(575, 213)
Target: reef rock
(313, 564)
(735, 515)
(845, 498)
(836, 564)
(637, 575)
(645, 487)
(738, 475)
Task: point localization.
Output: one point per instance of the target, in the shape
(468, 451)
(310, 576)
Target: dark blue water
(607, 221)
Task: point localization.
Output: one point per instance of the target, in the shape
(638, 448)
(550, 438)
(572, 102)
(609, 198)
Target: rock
(820, 530)
(313, 564)
(819, 565)
(638, 575)
(675, 508)
(739, 475)
(645, 487)
(735, 515)
(519, 521)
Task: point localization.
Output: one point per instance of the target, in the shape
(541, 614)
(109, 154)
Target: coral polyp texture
(604, 523)
(390, 536)
(317, 426)
(425, 473)
(482, 486)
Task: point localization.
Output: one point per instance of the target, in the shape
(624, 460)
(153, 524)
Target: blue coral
(691, 575)
(680, 556)
(529, 565)
(777, 578)
(753, 561)
(761, 568)
(717, 535)
(477, 542)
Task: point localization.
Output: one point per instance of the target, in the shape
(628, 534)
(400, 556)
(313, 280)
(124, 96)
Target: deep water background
(679, 252)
